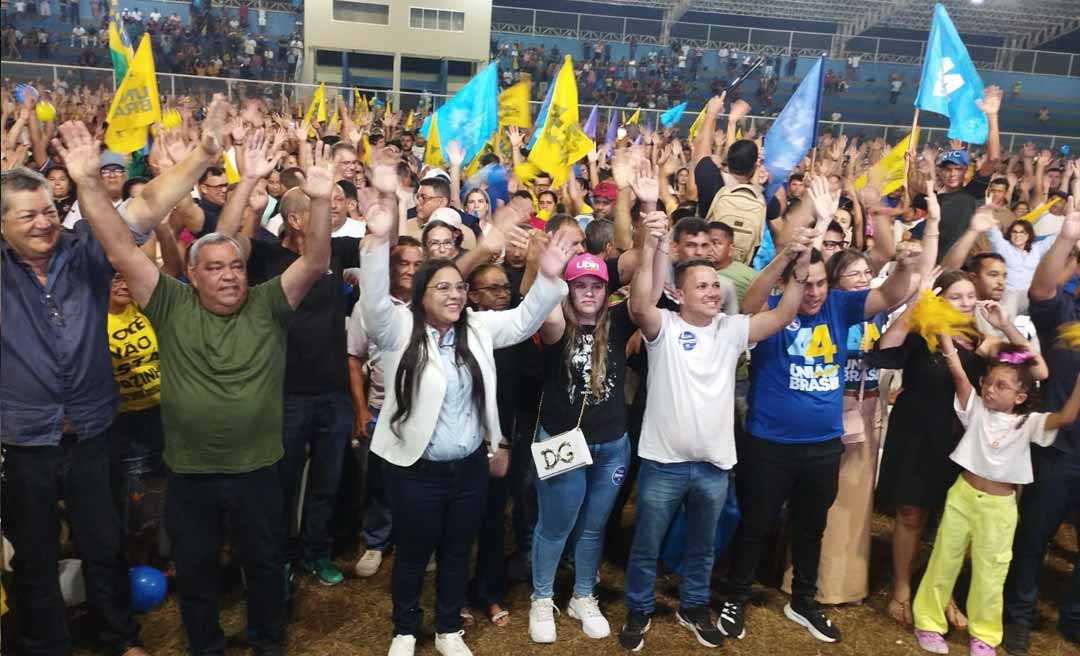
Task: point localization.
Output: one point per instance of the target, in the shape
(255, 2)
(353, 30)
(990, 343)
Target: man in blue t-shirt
(793, 447)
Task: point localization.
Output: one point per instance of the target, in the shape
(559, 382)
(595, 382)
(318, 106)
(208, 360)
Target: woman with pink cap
(584, 346)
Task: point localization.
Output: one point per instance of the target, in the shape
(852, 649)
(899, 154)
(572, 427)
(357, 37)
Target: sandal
(956, 618)
(467, 619)
(498, 615)
(901, 611)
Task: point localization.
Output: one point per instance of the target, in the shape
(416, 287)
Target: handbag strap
(536, 429)
(862, 379)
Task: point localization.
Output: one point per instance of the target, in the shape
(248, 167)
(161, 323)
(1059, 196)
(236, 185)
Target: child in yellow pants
(980, 510)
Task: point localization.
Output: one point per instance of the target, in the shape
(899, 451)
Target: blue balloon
(148, 587)
(1065, 149)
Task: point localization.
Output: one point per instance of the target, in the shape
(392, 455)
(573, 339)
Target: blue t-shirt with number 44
(797, 374)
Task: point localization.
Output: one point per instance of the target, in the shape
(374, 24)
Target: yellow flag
(889, 168)
(135, 106)
(1040, 210)
(317, 108)
(365, 147)
(561, 142)
(334, 120)
(695, 125)
(514, 106)
(232, 176)
(432, 149)
(738, 134)
(409, 120)
(633, 117)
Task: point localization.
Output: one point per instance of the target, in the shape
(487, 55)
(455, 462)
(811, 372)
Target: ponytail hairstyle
(415, 356)
(598, 361)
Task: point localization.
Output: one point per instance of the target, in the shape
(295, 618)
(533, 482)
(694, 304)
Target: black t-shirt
(1064, 362)
(957, 207)
(211, 212)
(315, 361)
(605, 417)
(709, 180)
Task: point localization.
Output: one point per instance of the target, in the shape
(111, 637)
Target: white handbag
(560, 453)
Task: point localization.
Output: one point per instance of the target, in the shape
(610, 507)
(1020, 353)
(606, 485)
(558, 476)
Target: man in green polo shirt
(222, 346)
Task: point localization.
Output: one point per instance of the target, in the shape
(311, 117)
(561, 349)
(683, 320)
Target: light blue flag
(672, 116)
(541, 118)
(425, 127)
(795, 130)
(950, 85)
(590, 124)
(472, 114)
(612, 127)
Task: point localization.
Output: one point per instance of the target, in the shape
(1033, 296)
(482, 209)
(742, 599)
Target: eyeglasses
(833, 245)
(444, 288)
(494, 289)
(440, 243)
(1002, 386)
(217, 186)
(851, 275)
(1019, 232)
(112, 170)
(423, 198)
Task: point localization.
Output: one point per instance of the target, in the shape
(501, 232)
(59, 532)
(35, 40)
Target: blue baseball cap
(959, 157)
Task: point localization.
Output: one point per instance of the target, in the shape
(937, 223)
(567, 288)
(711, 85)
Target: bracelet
(951, 354)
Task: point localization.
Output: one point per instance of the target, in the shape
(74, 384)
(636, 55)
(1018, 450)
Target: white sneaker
(593, 622)
(542, 620)
(369, 563)
(451, 644)
(403, 645)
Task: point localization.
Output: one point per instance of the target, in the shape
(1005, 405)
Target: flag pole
(907, 160)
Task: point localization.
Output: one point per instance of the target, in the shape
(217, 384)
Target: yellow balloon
(45, 111)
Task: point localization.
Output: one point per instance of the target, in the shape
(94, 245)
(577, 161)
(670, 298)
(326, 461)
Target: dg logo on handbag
(560, 454)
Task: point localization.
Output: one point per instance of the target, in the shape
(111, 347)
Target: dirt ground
(354, 618)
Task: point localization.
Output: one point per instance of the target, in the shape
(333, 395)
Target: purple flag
(590, 124)
(612, 126)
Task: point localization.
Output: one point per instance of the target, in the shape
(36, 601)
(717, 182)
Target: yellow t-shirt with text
(135, 361)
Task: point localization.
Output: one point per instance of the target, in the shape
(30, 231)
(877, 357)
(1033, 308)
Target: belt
(449, 466)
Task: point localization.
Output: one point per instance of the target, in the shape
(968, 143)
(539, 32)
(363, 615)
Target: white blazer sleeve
(509, 327)
(385, 325)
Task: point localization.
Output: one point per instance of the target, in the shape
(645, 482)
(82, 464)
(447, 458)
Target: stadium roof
(1022, 23)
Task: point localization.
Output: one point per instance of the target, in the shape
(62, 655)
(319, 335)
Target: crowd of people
(183, 331)
(214, 43)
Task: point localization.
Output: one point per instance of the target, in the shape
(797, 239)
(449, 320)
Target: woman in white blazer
(439, 412)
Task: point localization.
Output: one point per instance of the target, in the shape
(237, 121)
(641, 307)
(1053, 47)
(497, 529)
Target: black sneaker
(632, 636)
(697, 619)
(730, 621)
(1016, 639)
(809, 615)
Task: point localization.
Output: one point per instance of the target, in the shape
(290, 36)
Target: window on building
(444, 20)
(361, 12)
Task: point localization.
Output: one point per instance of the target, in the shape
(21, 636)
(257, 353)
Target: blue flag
(472, 114)
(590, 124)
(795, 130)
(612, 127)
(541, 118)
(672, 116)
(950, 85)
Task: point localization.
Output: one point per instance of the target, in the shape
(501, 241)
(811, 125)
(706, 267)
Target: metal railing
(759, 41)
(288, 96)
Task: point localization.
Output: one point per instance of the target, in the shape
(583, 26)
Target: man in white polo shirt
(687, 443)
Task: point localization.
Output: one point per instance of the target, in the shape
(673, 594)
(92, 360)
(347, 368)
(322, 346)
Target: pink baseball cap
(585, 264)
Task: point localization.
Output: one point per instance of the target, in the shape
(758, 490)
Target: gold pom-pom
(1069, 335)
(170, 119)
(933, 316)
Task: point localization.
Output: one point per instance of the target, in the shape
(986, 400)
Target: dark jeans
(769, 473)
(377, 521)
(35, 479)
(489, 586)
(194, 512)
(1043, 506)
(136, 443)
(438, 507)
(315, 428)
(523, 484)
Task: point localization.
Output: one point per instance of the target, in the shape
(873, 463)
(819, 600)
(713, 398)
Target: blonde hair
(598, 369)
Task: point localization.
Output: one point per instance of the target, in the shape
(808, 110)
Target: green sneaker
(324, 570)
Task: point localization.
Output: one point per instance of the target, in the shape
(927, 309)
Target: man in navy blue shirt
(792, 452)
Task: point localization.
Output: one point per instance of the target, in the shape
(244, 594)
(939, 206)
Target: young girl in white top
(980, 510)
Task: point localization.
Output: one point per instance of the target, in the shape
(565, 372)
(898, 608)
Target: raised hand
(516, 136)
(656, 225)
(81, 152)
(739, 109)
(927, 281)
(554, 255)
(825, 203)
(993, 313)
(983, 219)
(715, 104)
(1028, 151)
(455, 153)
(647, 186)
(319, 177)
(933, 207)
(1070, 227)
(214, 125)
(260, 157)
(908, 254)
(990, 103)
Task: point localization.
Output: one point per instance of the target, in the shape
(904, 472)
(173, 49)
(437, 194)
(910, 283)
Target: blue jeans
(662, 489)
(1043, 506)
(376, 523)
(575, 506)
(314, 427)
